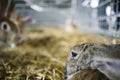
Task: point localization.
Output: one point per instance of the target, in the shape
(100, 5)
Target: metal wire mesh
(108, 15)
(52, 3)
(46, 12)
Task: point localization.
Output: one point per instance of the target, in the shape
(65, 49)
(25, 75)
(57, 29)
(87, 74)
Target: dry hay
(43, 54)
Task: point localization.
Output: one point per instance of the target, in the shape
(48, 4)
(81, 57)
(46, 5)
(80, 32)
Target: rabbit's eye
(74, 55)
(5, 26)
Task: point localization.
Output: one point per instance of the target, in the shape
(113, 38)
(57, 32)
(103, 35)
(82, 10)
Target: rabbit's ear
(106, 65)
(113, 66)
(8, 6)
(5, 26)
(109, 67)
(98, 65)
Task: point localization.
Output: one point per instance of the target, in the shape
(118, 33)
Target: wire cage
(52, 3)
(47, 12)
(108, 15)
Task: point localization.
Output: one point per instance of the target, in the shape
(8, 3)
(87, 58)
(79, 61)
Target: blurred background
(54, 27)
(92, 15)
(58, 13)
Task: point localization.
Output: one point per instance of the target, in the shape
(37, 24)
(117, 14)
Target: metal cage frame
(108, 16)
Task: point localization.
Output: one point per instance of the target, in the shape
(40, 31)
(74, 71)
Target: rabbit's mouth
(69, 76)
(5, 43)
(11, 41)
(72, 72)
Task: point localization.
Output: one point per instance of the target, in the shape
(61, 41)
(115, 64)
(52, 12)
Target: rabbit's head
(105, 58)
(72, 64)
(81, 56)
(9, 32)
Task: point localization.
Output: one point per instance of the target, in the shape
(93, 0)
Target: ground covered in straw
(43, 54)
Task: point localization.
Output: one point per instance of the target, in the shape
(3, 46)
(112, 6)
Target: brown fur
(89, 74)
(13, 20)
(3, 6)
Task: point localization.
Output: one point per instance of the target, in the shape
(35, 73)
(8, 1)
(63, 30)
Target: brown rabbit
(6, 8)
(105, 58)
(10, 31)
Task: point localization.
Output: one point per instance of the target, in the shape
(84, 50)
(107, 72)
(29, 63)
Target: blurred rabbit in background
(11, 24)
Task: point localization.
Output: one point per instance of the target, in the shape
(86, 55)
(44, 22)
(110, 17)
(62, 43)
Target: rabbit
(10, 30)
(10, 33)
(105, 58)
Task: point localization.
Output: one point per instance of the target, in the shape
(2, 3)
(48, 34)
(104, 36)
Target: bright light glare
(37, 8)
(108, 10)
(86, 3)
(12, 45)
(68, 27)
(94, 3)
